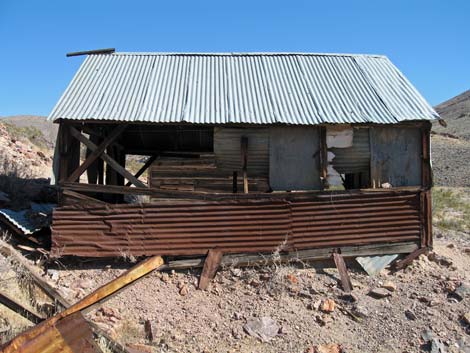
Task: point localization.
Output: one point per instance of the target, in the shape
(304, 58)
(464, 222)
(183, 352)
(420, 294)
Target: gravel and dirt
(305, 303)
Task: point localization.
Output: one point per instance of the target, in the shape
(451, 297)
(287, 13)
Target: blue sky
(428, 40)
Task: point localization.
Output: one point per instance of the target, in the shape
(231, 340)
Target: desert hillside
(451, 144)
(34, 122)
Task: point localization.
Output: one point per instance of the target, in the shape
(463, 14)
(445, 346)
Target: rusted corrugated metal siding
(337, 220)
(170, 228)
(233, 226)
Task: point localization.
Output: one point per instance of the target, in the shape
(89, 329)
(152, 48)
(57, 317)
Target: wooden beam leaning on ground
(211, 264)
(95, 154)
(110, 161)
(12, 304)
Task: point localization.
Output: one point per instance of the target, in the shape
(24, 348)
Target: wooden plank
(110, 161)
(20, 309)
(78, 198)
(343, 272)
(235, 182)
(211, 264)
(244, 153)
(323, 158)
(96, 152)
(410, 258)
(141, 171)
(426, 173)
(7, 250)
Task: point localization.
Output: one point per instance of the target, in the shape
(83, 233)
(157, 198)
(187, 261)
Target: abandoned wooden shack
(245, 153)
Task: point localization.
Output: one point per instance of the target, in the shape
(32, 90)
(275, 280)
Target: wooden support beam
(147, 164)
(235, 182)
(426, 171)
(410, 258)
(20, 309)
(343, 272)
(96, 152)
(323, 158)
(244, 155)
(110, 161)
(211, 264)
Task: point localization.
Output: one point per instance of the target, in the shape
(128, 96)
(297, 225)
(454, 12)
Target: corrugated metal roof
(21, 220)
(257, 88)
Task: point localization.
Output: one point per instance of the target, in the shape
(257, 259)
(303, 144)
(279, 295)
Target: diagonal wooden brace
(96, 153)
(110, 161)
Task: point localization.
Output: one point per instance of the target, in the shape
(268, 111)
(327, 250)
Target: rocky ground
(450, 158)
(302, 307)
(21, 157)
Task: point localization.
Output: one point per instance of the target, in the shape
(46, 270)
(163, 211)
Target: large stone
(328, 306)
(462, 291)
(390, 286)
(379, 293)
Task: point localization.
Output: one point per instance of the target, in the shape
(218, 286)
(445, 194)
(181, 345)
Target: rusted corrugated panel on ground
(233, 226)
(72, 334)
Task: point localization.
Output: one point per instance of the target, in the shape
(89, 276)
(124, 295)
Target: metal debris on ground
(263, 328)
(51, 333)
(374, 264)
(27, 221)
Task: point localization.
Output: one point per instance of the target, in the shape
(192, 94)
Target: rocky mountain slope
(456, 112)
(451, 144)
(34, 123)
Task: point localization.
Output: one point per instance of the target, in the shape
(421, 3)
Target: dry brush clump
(451, 209)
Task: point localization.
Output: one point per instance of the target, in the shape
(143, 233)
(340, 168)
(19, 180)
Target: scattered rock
(184, 290)
(263, 328)
(462, 291)
(323, 320)
(441, 260)
(410, 315)
(466, 318)
(433, 344)
(165, 277)
(360, 311)
(390, 286)
(292, 278)
(379, 293)
(328, 306)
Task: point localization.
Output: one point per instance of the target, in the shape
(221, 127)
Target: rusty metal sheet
(171, 228)
(71, 334)
(178, 227)
(342, 219)
(68, 331)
